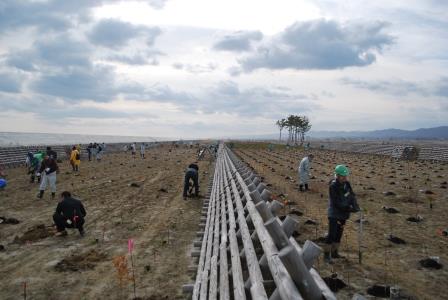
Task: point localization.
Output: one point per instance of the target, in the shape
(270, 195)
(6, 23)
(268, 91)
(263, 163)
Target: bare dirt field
(151, 211)
(415, 191)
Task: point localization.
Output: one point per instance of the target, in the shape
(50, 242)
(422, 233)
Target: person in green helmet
(342, 202)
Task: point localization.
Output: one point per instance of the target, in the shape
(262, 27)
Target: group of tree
(297, 127)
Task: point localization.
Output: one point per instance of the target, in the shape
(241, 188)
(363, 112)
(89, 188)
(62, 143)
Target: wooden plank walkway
(246, 251)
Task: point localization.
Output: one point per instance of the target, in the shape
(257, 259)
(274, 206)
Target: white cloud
(209, 67)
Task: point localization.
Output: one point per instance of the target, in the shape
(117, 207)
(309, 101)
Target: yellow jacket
(73, 157)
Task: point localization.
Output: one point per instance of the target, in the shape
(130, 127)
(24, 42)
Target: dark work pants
(335, 230)
(194, 176)
(61, 223)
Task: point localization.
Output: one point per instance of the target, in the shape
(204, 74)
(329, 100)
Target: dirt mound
(381, 291)
(153, 297)
(334, 283)
(430, 263)
(33, 234)
(81, 262)
(5, 220)
(396, 240)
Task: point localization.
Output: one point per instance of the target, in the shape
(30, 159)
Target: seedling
(24, 290)
(130, 250)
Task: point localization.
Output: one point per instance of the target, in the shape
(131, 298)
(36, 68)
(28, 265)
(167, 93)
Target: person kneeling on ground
(191, 173)
(70, 213)
(342, 202)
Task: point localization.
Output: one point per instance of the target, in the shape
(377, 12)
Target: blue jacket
(342, 200)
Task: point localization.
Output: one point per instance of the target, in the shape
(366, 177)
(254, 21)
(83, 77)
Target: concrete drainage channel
(244, 251)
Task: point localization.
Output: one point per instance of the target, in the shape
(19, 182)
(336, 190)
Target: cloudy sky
(205, 68)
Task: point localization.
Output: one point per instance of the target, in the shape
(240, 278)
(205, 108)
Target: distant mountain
(421, 133)
(436, 133)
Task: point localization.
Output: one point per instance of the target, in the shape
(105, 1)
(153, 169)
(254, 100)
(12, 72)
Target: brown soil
(152, 212)
(81, 262)
(34, 234)
(383, 262)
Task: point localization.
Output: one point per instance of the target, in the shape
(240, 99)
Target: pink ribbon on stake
(130, 245)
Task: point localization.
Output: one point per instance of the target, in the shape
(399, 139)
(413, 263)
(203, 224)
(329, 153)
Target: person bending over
(70, 213)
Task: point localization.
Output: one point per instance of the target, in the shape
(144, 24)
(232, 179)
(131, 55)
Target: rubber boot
(306, 186)
(327, 254)
(335, 251)
(41, 194)
(301, 187)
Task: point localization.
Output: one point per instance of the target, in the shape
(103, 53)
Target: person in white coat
(304, 172)
(142, 150)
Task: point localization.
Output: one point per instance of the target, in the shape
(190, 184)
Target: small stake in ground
(24, 290)
(361, 220)
(130, 249)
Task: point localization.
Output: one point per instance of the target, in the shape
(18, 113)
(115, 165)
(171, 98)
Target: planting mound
(80, 262)
(33, 234)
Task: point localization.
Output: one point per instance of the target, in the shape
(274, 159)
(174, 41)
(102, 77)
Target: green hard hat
(341, 170)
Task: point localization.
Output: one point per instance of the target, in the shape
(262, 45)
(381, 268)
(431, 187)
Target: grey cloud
(320, 44)
(54, 15)
(178, 66)
(62, 67)
(441, 88)
(140, 58)
(44, 107)
(97, 83)
(402, 88)
(228, 97)
(195, 68)
(10, 83)
(165, 94)
(57, 51)
(116, 34)
(20, 13)
(157, 4)
(234, 71)
(238, 42)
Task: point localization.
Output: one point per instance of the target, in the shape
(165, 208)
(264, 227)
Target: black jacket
(52, 154)
(49, 163)
(342, 200)
(70, 207)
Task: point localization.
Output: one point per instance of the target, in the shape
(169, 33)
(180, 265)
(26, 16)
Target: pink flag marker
(130, 245)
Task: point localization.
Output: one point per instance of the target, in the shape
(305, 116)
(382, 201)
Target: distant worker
(48, 169)
(142, 150)
(70, 213)
(33, 162)
(3, 183)
(304, 172)
(75, 159)
(133, 150)
(342, 202)
(191, 174)
(99, 152)
(89, 151)
(52, 154)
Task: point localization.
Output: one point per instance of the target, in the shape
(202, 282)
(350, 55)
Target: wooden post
(299, 273)
(289, 225)
(277, 234)
(266, 195)
(310, 252)
(275, 207)
(264, 211)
